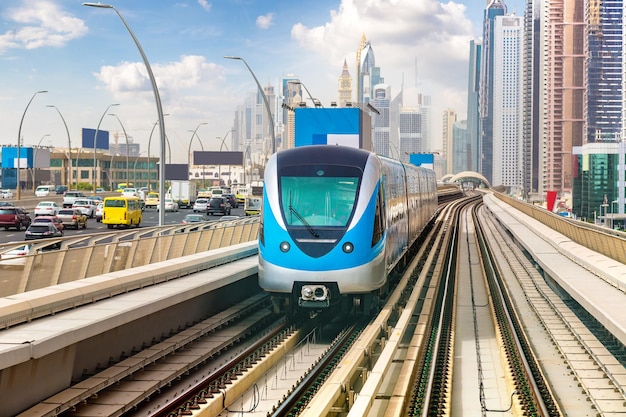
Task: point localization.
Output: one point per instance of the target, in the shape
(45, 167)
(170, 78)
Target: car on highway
(232, 200)
(200, 205)
(6, 193)
(170, 205)
(60, 189)
(44, 190)
(16, 256)
(6, 204)
(42, 231)
(194, 218)
(99, 190)
(218, 205)
(152, 199)
(130, 192)
(56, 220)
(87, 206)
(73, 218)
(71, 196)
(15, 217)
(99, 211)
(46, 208)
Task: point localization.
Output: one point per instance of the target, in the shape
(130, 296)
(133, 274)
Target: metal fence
(608, 242)
(112, 252)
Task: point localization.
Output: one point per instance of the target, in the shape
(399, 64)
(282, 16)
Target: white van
(44, 190)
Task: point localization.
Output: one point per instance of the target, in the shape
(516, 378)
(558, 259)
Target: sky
(86, 60)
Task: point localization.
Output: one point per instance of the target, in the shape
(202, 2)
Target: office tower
(345, 86)
(368, 75)
(507, 91)
(425, 111)
(410, 131)
(460, 147)
(486, 106)
(563, 43)
(380, 121)
(473, 117)
(531, 136)
(292, 96)
(604, 71)
(449, 119)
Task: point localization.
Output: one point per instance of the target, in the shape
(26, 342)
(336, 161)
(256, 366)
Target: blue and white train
(335, 221)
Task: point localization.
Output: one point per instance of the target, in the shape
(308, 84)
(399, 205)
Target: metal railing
(608, 242)
(110, 252)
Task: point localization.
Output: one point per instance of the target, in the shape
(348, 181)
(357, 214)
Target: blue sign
(102, 142)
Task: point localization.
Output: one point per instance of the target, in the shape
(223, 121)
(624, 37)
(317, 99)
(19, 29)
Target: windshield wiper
(304, 222)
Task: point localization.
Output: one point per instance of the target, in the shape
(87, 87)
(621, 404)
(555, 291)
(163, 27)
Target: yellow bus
(121, 211)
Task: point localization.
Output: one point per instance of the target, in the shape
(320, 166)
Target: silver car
(200, 205)
(87, 206)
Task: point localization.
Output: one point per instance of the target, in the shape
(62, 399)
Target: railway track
(402, 362)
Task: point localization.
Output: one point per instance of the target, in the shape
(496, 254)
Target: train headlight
(285, 246)
(348, 247)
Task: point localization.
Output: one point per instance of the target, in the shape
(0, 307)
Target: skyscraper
(486, 106)
(368, 75)
(507, 118)
(604, 71)
(473, 118)
(381, 101)
(562, 104)
(448, 121)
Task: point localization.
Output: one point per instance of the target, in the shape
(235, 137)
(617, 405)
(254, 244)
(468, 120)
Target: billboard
(174, 172)
(217, 158)
(426, 160)
(102, 141)
(346, 126)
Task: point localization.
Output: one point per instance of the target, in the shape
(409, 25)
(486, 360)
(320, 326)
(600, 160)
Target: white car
(130, 192)
(6, 193)
(99, 211)
(170, 205)
(47, 208)
(16, 256)
(200, 205)
(86, 206)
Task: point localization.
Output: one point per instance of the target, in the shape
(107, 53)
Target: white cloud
(40, 23)
(264, 22)
(205, 5)
(407, 36)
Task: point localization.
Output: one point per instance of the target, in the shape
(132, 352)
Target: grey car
(73, 218)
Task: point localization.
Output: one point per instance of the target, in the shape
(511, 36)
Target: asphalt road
(150, 218)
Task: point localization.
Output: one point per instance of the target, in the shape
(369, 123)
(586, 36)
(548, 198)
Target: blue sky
(87, 60)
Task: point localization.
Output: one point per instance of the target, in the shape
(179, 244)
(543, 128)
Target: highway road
(150, 218)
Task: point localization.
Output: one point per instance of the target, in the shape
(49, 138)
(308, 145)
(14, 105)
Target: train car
(335, 221)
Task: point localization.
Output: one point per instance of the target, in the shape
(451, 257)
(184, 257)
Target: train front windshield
(318, 196)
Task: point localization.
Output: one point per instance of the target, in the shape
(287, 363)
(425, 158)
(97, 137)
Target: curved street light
(126, 137)
(95, 141)
(69, 147)
(35, 160)
(267, 103)
(157, 99)
(315, 101)
(18, 194)
(194, 133)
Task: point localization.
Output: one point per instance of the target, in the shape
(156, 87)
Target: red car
(50, 219)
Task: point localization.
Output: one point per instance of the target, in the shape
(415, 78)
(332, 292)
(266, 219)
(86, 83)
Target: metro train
(335, 222)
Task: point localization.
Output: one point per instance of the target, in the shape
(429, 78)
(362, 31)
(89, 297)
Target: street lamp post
(95, 141)
(194, 133)
(267, 103)
(69, 147)
(315, 101)
(126, 137)
(157, 99)
(150, 142)
(18, 194)
(35, 159)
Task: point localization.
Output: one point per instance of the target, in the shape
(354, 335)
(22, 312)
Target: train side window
(378, 219)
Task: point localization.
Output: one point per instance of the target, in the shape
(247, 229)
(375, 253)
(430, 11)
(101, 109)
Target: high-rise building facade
(604, 71)
(473, 117)
(368, 75)
(507, 89)
(448, 121)
(562, 106)
(410, 129)
(486, 106)
(460, 145)
(380, 120)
